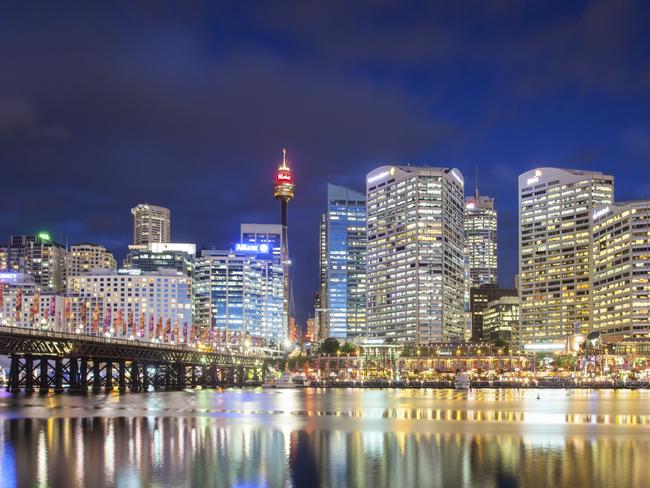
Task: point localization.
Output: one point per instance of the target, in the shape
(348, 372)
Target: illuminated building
(311, 333)
(343, 265)
(554, 252)
(479, 299)
(501, 320)
(150, 224)
(283, 190)
(239, 291)
(131, 295)
(415, 254)
(481, 238)
(39, 257)
(25, 304)
(82, 258)
(621, 270)
(4, 258)
(156, 255)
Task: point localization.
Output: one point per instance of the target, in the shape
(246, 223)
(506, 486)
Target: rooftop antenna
(476, 179)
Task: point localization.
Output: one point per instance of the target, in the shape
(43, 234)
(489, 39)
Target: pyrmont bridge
(60, 361)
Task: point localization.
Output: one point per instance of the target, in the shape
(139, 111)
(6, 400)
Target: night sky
(105, 107)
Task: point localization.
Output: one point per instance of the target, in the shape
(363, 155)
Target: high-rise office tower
(501, 321)
(39, 257)
(150, 224)
(4, 258)
(481, 239)
(284, 190)
(479, 298)
(320, 298)
(621, 270)
(343, 265)
(554, 252)
(82, 258)
(415, 254)
(238, 291)
(168, 255)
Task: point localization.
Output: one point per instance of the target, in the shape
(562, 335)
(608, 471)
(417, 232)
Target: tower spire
(476, 180)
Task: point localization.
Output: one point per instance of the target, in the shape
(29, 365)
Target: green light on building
(44, 236)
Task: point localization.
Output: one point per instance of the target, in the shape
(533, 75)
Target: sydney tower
(284, 191)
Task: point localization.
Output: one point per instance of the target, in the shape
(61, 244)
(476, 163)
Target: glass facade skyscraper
(235, 291)
(481, 236)
(343, 266)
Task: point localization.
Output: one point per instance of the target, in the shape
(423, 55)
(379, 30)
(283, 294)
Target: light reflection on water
(328, 438)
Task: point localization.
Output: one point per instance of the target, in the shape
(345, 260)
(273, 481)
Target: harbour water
(328, 437)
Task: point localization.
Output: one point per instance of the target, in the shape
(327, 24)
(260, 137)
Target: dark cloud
(103, 106)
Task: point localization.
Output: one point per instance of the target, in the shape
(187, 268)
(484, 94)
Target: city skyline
(97, 142)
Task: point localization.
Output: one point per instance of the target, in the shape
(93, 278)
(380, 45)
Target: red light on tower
(284, 187)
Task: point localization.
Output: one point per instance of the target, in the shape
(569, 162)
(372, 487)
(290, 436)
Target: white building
(24, 304)
(82, 258)
(554, 250)
(481, 239)
(150, 224)
(415, 254)
(105, 301)
(621, 270)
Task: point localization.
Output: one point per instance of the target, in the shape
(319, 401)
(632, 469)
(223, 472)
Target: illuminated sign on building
(284, 177)
(8, 277)
(378, 177)
(134, 272)
(545, 346)
(600, 213)
(257, 248)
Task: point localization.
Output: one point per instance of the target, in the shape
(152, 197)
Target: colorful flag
(2, 294)
(119, 323)
(36, 306)
(168, 328)
(175, 333)
(83, 314)
(107, 320)
(52, 313)
(159, 328)
(142, 324)
(151, 322)
(191, 333)
(67, 306)
(96, 319)
(184, 331)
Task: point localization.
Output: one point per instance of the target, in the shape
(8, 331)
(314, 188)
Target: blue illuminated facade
(240, 290)
(343, 267)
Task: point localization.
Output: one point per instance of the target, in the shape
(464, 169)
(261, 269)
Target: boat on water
(461, 381)
(301, 381)
(285, 381)
(269, 381)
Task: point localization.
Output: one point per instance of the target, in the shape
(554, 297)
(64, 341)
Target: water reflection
(323, 439)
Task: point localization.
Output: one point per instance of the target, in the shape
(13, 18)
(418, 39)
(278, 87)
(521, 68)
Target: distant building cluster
(431, 266)
(164, 291)
(411, 261)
